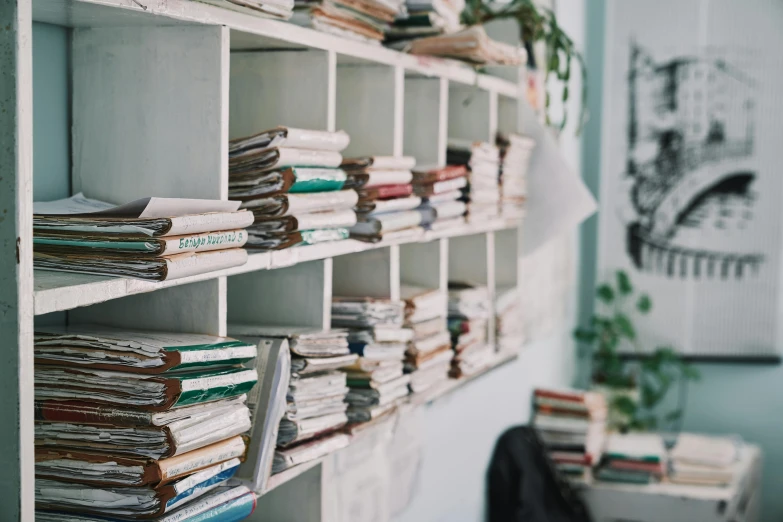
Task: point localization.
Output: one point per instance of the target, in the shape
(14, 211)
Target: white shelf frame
(161, 58)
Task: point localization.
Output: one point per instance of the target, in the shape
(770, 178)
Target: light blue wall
(730, 398)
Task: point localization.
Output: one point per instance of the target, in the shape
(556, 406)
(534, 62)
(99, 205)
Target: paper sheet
(149, 208)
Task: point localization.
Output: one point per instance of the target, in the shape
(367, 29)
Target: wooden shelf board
(250, 32)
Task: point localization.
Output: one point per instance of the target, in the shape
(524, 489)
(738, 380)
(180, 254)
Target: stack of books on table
(429, 353)
(376, 381)
(155, 239)
(635, 458)
(386, 204)
(483, 191)
(423, 18)
(471, 45)
(572, 426)
(515, 152)
(139, 424)
(312, 403)
(364, 20)
(290, 179)
(509, 324)
(469, 309)
(441, 191)
(702, 460)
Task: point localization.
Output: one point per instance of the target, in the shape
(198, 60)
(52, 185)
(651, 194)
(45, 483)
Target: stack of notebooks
(429, 353)
(155, 239)
(701, 460)
(515, 152)
(634, 458)
(364, 20)
(386, 204)
(572, 425)
(425, 18)
(441, 192)
(292, 182)
(138, 424)
(278, 9)
(471, 45)
(509, 324)
(376, 381)
(313, 403)
(483, 191)
(469, 311)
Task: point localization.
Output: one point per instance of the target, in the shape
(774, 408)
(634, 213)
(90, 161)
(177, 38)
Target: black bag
(523, 484)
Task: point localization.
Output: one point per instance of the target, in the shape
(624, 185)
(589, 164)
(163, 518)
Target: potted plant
(635, 387)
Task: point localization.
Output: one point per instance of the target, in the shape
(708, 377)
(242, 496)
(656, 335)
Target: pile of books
(572, 425)
(441, 192)
(483, 191)
(290, 179)
(386, 204)
(634, 458)
(469, 311)
(701, 460)
(509, 323)
(428, 356)
(423, 18)
(471, 45)
(376, 381)
(312, 390)
(155, 239)
(515, 152)
(139, 424)
(364, 20)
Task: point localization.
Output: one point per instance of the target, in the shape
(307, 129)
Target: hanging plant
(538, 24)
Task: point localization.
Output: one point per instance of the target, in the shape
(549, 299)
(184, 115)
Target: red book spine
(443, 174)
(73, 411)
(563, 396)
(393, 191)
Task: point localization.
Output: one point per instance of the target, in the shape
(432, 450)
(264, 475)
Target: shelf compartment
(426, 114)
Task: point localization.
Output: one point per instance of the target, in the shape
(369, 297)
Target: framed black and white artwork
(691, 171)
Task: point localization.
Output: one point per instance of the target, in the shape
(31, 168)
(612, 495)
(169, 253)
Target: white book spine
(184, 265)
(216, 221)
(317, 140)
(204, 242)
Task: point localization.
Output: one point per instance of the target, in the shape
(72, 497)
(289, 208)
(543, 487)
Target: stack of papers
(291, 181)
(429, 353)
(572, 425)
(471, 45)
(426, 18)
(154, 430)
(277, 9)
(635, 458)
(483, 192)
(703, 460)
(386, 204)
(469, 309)
(313, 401)
(364, 20)
(515, 152)
(376, 380)
(509, 326)
(441, 191)
(155, 239)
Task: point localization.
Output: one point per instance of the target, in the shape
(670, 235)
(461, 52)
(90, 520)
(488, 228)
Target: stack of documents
(483, 192)
(515, 152)
(509, 326)
(703, 460)
(155, 239)
(469, 311)
(386, 208)
(429, 353)
(441, 191)
(313, 394)
(364, 20)
(278, 9)
(221, 504)
(635, 458)
(137, 424)
(376, 380)
(572, 425)
(292, 182)
(471, 45)
(425, 18)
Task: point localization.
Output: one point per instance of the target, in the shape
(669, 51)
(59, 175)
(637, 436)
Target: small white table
(668, 502)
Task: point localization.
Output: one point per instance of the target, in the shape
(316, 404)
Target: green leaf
(624, 326)
(605, 293)
(624, 283)
(690, 372)
(625, 405)
(584, 335)
(644, 304)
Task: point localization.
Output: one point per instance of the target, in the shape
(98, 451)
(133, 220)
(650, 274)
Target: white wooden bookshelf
(157, 89)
